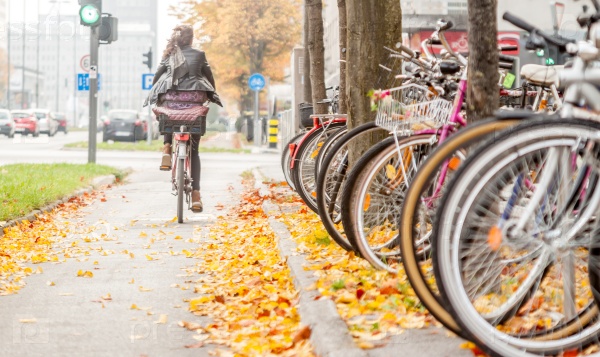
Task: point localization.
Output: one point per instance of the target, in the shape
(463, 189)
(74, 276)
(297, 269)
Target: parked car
(26, 122)
(123, 125)
(61, 120)
(47, 124)
(155, 126)
(100, 123)
(7, 123)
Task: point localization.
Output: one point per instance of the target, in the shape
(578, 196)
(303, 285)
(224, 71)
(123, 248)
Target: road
(70, 316)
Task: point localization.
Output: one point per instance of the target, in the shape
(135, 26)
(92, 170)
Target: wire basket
(409, 108)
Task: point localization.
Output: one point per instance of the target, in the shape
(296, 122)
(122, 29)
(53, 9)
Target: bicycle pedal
(165, 168)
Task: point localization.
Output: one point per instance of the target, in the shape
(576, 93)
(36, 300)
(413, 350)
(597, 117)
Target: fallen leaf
(162, 319)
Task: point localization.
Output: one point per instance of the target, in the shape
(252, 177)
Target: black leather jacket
(199, 76)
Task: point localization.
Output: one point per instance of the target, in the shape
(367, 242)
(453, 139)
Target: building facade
(55, 51)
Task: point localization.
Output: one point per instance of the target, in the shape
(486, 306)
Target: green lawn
(26, 187)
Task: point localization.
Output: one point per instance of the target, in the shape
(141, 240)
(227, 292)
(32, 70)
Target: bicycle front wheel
(373, 196)
(421, 203)
(511, 252)
(180, 188)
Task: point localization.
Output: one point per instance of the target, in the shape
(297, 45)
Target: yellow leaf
(143, 234)
(143, 289)
(162, 319)
(134, 307)
(390, 172)
(149, 257)
(178, 237)
(367, 203)
(50, 283)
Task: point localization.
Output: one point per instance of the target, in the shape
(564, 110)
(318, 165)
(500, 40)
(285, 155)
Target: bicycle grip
(447, 26)
(505, 58)
(405, 49)
(518, 22)
(505, 65)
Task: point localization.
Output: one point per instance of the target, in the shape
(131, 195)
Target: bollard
(273, 131)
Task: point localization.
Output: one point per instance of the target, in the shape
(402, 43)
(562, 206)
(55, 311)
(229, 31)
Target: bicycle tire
(327, 145)
(372, 205)
(180, 188)
(427, 172)
(303, 171)
(324, 197)
(286, 159)
(570, 335)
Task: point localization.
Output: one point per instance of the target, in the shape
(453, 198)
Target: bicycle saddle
(190, 114)
(539, 75)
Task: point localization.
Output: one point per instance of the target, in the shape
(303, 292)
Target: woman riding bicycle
(183, 80)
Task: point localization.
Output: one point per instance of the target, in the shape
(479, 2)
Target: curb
(32, 216)
(330, 336)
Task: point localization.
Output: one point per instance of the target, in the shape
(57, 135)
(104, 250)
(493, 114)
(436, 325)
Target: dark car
(61, 119)
(123, 125)
(7, 124)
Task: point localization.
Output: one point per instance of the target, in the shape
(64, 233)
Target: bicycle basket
(169, 126)
(391, 111)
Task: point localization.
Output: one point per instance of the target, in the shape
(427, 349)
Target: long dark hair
(182, 36)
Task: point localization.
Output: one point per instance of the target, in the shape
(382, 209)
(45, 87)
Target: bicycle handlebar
(554, 40)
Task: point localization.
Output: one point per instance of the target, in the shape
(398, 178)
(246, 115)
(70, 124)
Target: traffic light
(109, 29)
(148, 61)
(90, 13)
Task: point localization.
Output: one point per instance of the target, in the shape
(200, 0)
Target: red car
(26, 122)
(61, 118)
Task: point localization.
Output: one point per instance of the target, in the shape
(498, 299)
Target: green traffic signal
(540, 52)
(89, 14)
(550, 62)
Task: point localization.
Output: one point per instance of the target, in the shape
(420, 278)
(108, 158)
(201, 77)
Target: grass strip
(27, 187)
(156, 146)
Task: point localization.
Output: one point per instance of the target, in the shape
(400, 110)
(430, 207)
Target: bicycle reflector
(90, 13)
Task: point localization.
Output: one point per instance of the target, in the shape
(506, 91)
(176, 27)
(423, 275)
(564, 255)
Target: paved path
(77, 324)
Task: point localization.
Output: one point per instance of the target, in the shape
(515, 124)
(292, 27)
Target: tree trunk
(482, 94)
(306, 65)
(343, 105)
(317, 54)
(372, 24)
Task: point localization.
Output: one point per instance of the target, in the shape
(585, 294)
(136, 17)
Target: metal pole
(8, 58)
(37, 65)
(94, 44)
(23, 59)
(74, 77)
(256, 124)
(58, 84)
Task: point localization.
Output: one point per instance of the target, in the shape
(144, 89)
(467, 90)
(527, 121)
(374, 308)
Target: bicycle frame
(182, 153)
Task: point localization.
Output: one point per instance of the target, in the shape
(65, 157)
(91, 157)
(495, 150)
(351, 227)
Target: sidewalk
(331, 334)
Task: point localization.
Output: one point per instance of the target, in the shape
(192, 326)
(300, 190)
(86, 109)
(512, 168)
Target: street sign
(83, 81)
(256, 82)
(147, 79)
(84, 63)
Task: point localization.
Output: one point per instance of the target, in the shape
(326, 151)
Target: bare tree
(482, 95)
(307, 88)
(372, 24)
(343, 106)
(317, 54)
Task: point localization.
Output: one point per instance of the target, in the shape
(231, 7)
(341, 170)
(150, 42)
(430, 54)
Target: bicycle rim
(418, 266)
(304, 168)
(486, 190)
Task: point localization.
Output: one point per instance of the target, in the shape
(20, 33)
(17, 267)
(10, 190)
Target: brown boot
(196, 202)
(165, 165)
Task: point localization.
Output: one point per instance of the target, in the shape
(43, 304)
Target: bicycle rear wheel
(180, 162)
(330, 181)
(373, 196)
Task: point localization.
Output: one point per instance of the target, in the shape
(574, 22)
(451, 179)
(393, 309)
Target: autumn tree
(316, 48)
(372, 24)
(306, 85)
(482, 94)
(243, 37)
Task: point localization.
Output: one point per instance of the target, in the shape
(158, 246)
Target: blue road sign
(147, 81)
(83, 81)
(256, 82)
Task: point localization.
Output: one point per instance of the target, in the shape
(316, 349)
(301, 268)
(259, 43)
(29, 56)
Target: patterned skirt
(180, 100)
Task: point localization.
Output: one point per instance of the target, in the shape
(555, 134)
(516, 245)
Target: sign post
(147, 85)
(256, 82)
(94, 44)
